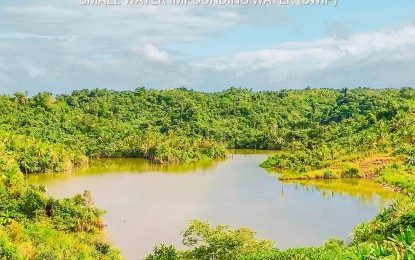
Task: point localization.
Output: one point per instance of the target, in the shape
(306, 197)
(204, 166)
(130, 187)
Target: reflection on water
(364, 191)
(128, 165)
(151, 204)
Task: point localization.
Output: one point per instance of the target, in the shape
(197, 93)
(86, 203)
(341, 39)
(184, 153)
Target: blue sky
(302, 24)
(59, 46)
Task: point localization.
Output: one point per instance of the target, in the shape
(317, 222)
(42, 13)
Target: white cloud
(153, 54)
(36, 72)
(362, 59)
(96, 46)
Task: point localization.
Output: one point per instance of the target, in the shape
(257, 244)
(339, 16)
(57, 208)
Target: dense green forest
(322, 133)
(53, 133)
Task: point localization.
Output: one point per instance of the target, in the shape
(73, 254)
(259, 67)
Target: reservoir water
(151, 204)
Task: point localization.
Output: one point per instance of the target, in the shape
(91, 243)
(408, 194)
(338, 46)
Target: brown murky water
(151, 204)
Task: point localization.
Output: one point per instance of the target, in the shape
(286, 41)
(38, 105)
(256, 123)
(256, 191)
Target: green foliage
(35, 226)
(343, 130)
(328, 174)
(389, 222)
(399, 175)
(400, 245)
(208, 243)
(334, 244)
(221, 242)
(350, 172)
(8, 250)
(163, 252)
(307, 253)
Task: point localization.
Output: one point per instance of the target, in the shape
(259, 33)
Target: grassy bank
(392, 171)
(354, 166)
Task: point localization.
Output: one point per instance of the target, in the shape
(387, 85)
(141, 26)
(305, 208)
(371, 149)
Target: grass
(399, 176)
(348, 167)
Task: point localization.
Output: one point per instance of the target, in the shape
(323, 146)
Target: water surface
(151, 204)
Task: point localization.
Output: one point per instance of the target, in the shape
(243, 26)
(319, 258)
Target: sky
(60, 46)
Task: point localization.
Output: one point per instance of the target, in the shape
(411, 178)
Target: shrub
(328, 174)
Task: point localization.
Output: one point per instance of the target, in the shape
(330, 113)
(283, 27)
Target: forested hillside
(322, 133)
(53, 133)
